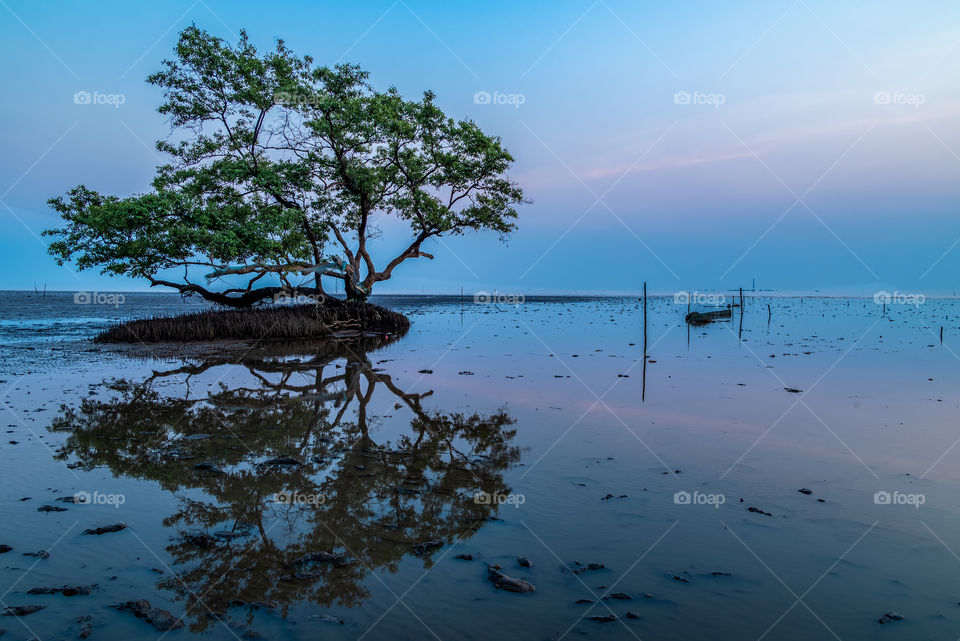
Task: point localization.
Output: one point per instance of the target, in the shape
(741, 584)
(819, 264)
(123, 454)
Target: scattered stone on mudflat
(633, 615)
(524, 562)
(503, 582)
(199, 540)
(677, 577)
(40, 554)
(890, 616)
(21, 610)
(65, 590)
(465, 373)
(51, 508)
(5, 548)
(604, 618)
(757, 510)
(425, 371)
(620, 596)
(611, 496)
(580, 568)
(821, 500)
(422, 548)
(793, 390)
(326, 618)
(806, 491)
(160, 619)
(86, 631)
(106, 529)
(464, 557)
(584, 601)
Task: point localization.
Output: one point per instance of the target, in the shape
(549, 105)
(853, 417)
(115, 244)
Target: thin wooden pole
(740, 334)
(643, 381)
(644, 320)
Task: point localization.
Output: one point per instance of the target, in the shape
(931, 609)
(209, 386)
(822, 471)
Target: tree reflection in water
(303, 427)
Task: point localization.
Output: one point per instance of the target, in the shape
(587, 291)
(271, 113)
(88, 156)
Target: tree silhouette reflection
(319, 428)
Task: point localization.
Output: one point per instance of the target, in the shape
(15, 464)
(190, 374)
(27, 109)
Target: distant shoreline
(468, 296)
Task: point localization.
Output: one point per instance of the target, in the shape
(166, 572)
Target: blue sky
(696, 145)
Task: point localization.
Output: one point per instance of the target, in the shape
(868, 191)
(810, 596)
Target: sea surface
(375, 487)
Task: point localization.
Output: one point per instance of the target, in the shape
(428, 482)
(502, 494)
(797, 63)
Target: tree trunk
(353, 290)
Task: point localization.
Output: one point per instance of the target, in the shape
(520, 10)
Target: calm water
(233, 468)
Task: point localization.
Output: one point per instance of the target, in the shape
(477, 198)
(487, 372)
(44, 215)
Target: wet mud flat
(496, 462)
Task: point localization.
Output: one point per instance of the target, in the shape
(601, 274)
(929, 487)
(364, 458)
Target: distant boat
(702, 318)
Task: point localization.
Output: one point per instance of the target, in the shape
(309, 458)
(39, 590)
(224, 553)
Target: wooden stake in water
(769, 313)
(644, 320)
(643, 381)
(740, 334)
(941, 333)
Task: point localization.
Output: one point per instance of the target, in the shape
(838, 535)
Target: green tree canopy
(278, 168)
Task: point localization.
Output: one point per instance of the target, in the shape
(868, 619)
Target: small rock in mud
(65, 590)
(40, 554)
(51, 508)
(720, 573)
(584, 601)
(580, 568)
(890, 616)
(633, 615)
(199, 540)
(21, 610)
(805, 491)
(605, 618)
(422, 548)
(464, 557)
(5, 548)
(326, 618)
(503, 582)
(757, 510)
(620, 596)
(524, 562)
(86, 631)
(106, 529)
(160, 619)
(680, 579)
(425, 371)
(793, 390)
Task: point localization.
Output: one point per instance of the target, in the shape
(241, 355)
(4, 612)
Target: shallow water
(542, 405)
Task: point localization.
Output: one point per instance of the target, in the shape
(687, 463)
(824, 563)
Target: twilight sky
(812, 145)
